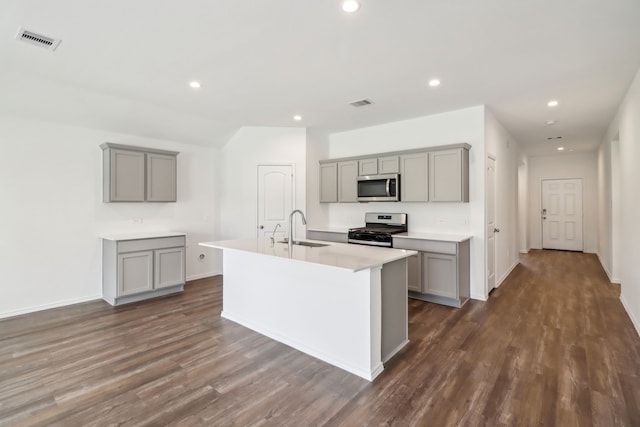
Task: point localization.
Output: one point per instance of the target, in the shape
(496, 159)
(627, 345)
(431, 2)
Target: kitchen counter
(343, 304)
(349, 257)
(439, 237)
(141, 235)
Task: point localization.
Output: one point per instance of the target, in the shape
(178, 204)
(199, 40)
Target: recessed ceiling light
(560, 148)
(350, 6)
(297, 118)
(552, 103)
(551, 122)
(434, 82)
(194, 84)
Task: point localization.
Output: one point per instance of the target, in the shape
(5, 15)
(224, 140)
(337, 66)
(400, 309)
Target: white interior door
(490, 212)
(562, 214)
(275, 199)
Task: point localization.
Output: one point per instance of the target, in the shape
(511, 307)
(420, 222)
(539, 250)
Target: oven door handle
(387, 187)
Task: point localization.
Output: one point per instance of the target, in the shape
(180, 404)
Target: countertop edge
(141, 235)
(400, 254)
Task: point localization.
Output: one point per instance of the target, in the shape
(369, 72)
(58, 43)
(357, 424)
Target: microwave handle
(387, 187)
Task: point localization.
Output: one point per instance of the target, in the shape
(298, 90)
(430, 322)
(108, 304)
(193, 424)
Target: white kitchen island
(344, 304)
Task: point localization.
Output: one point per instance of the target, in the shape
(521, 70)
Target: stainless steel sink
(308, 244)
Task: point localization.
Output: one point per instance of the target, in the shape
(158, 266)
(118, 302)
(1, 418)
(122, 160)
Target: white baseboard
(631, 316)
(203, 275)
(56, 304)
(612, 279)
(505, 275)
(478, 297)
(524, 252)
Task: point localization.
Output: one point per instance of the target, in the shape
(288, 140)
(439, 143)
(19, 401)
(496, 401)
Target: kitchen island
(343, 304)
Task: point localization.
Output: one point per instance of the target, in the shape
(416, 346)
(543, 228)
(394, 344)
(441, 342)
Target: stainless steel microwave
(379, 188)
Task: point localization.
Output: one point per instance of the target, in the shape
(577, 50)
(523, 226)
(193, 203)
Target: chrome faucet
(304, 222)
(273, 235)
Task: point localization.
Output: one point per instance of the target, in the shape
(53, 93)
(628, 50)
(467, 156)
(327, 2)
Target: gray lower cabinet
(327, 236)
(440, 271)
(136, 174)
(414, 270)
(137, 269)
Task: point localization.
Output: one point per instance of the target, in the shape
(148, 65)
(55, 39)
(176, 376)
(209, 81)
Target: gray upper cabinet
(161, 177)
(348, 181)
(449, 175)
(328, 182)
(136, 174)
(414, 177)
(429, 174)
(368, 166)
(387, 165)
(378, 165)
(123, 176)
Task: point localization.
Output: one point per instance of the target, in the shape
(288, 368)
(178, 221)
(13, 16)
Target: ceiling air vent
(37, 39)
(361, 103)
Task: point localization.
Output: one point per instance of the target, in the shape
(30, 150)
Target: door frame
(293, 189)
(495, 215)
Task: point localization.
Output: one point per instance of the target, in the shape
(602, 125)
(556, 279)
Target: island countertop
(339, 255)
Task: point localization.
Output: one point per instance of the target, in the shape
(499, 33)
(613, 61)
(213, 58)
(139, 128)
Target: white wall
(317, 149)
(604, 207)
(565, 166)
(52, 211)
(501, 145)
(449, 128)
(238, 175)
(627, 126)
(523, 205)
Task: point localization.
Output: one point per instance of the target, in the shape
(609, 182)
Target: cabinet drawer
(426, 245)
(149, 244)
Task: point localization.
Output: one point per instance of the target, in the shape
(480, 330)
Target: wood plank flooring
(553, 346)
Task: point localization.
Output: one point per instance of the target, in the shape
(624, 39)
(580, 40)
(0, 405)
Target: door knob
(262, 227)
(496, 230)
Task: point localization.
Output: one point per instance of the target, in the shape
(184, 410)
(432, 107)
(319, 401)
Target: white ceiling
(125, 65)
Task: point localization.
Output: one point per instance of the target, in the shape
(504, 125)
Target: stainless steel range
(379, 227)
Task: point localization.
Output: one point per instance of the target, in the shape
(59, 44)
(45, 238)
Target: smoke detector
(36, 39)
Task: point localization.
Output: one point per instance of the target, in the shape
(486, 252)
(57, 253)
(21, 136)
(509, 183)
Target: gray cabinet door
(448, 176)
(348, 181)
(387, 165)
(125, 176)
(328, 182)
(414, 177)
(414, 279)
(161, 178)
(169, 267)
(368, 166)
(439, 275)
(135, 272)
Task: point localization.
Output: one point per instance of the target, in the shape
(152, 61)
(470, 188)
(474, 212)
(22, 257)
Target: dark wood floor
(553, 346)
